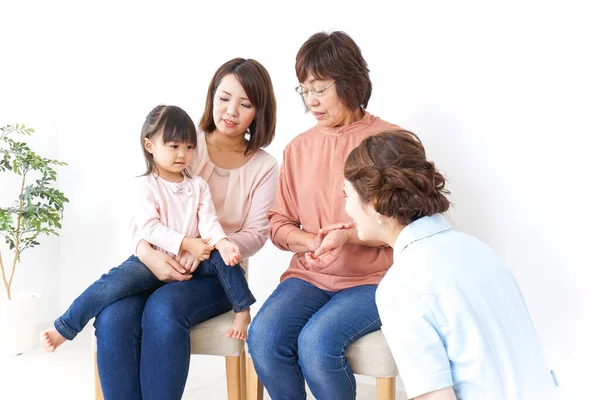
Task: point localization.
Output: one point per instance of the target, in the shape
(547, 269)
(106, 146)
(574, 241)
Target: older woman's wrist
(299, 241)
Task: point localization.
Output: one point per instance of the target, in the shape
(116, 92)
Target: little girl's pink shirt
(164, 212)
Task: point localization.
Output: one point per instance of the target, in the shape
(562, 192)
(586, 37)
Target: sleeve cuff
(174, 244)
(282, 234)
(418, 386)
(217, 240)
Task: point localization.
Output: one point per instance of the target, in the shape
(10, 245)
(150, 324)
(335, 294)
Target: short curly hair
(390, 171)
(336, 56)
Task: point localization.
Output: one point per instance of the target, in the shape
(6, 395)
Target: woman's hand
(339, 225)
(163, 266)
(316, 242)
(330, 248)
(187, 261)
(300, 241)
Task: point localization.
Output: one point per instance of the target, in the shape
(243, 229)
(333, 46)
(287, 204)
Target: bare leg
(51, 339)
(239, 326)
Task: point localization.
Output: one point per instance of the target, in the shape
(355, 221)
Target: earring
(247, 134)
(379, 218)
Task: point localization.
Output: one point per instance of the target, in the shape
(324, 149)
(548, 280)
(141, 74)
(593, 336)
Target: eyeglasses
(316, 91)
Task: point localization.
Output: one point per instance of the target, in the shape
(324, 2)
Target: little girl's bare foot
(51, 339)
(239, 326)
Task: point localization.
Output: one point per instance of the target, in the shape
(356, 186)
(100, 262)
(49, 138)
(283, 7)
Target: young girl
(175, 213)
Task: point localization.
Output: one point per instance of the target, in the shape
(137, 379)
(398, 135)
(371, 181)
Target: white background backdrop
(504, 95)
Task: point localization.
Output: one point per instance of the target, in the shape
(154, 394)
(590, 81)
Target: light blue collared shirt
(453, 315)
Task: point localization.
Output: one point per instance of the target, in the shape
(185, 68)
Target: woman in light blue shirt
(452, 313)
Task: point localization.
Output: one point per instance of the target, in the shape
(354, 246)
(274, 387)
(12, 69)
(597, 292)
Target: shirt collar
(420, 229)
(356, 126)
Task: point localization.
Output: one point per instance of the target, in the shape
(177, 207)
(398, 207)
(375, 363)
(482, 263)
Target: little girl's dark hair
(390, 171)
(175, 125)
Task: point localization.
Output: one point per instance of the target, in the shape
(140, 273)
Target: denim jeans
(303, 332)
(144, 340)
(133, 277)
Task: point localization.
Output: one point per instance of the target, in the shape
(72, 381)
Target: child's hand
(229, 252)
(198, 247)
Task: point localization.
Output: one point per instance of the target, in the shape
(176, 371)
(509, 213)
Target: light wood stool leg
(386, 388)
(233, 370)
(97, 387)
(243, 374)
(255, 386)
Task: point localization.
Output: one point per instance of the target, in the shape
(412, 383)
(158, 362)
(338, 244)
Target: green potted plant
(37, 210)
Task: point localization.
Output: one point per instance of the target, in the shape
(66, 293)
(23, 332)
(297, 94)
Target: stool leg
(255, 386)
(386, 388)
(233, 370)
(243, 374)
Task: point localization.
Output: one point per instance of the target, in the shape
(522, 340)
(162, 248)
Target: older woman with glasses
(326, 298)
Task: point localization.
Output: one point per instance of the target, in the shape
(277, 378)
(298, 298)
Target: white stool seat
(371, 356)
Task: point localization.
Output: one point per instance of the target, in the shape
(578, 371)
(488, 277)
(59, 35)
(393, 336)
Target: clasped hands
(328, 244)
(195, 250)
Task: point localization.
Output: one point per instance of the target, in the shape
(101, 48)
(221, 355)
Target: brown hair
(390, 171)
(257, 84)
(336, 56)
(174, 124)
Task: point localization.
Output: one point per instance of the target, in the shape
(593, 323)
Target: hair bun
(390, 171)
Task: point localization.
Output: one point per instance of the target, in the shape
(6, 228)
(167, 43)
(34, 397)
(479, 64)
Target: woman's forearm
(300, 241)
(353, 239)
(144, 250)
(162, 265)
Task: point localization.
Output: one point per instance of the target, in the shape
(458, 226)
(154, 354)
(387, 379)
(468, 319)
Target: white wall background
(28, 95)
(505, 96)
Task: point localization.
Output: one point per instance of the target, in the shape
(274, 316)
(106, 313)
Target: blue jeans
(133, 277)
(303, 332)
(144, 340)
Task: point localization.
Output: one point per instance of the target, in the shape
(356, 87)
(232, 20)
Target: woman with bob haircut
(451, 312)
(144, 339)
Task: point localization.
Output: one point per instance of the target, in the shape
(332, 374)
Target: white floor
(68, 375)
